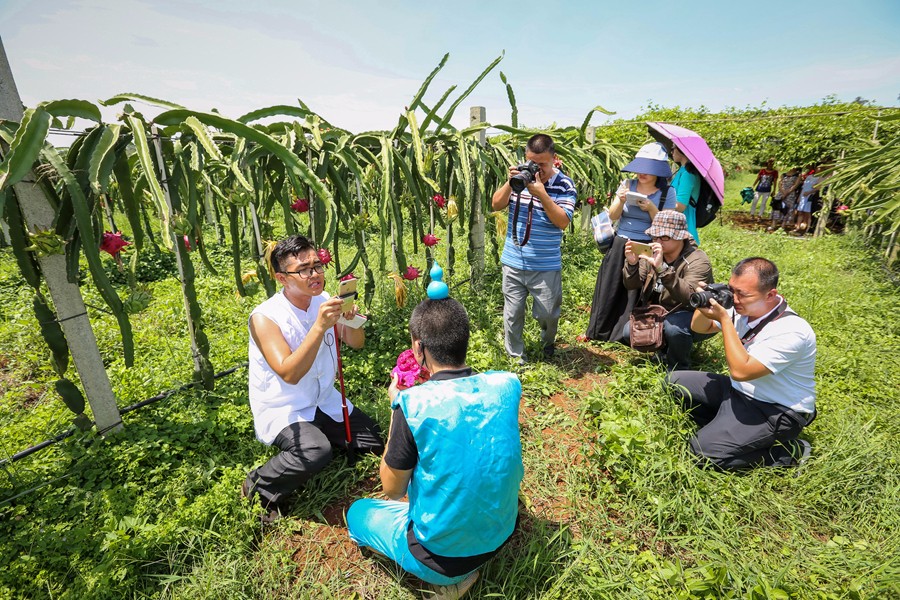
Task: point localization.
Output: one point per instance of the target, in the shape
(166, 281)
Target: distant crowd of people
(453, 447)
(797, 195)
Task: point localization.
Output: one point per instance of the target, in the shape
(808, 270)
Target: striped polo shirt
(542, 251)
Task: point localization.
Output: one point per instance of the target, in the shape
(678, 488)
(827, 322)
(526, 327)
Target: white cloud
(41, 65)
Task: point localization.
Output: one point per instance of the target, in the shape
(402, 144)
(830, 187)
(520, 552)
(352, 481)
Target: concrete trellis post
(478, 114)
(70, 309)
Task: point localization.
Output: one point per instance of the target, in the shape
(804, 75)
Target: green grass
(613, 504)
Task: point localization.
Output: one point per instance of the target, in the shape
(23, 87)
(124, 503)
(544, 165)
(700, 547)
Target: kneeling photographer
(669, 270)
(752, 416)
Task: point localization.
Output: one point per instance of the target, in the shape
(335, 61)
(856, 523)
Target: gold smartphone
(347, 293)
(642, 249)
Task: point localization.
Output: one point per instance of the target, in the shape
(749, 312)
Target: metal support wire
(70, 432)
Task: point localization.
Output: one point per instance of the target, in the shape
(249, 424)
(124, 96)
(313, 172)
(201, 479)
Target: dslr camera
(713, 291)
(526, 174)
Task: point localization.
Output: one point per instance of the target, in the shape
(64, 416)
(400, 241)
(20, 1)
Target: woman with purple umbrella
(686, 183)
(700, 182)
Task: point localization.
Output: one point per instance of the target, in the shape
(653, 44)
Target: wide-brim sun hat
(651, 159)
(669, 223)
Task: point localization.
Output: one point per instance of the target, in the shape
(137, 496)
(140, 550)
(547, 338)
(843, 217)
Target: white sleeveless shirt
(277, 404)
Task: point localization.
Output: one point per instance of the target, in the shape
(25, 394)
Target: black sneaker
(789, 454)
(805, 451)
(549, 351)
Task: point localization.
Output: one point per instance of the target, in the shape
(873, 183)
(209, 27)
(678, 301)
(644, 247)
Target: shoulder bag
(647, 322)
(604, 232)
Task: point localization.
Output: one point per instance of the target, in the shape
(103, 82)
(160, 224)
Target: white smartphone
(354, 323)
(633, 198)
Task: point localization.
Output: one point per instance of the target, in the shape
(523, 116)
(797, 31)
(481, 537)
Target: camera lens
(699, 299)
(520, 181)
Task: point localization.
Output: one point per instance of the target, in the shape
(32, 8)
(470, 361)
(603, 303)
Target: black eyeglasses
(661, 238)
(307, 273)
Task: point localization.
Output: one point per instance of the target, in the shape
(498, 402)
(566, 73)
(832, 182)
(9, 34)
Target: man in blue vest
(454, 448)
(539, 212)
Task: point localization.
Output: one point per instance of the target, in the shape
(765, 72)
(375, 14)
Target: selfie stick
(337, 345)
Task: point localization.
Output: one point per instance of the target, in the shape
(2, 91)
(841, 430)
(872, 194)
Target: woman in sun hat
(612, 302)
(671, 274)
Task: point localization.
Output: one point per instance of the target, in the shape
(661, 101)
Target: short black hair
(292, 246)
(764, 268)
(443, 327)
(540, 143)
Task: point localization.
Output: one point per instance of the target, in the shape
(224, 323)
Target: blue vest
(463, 496)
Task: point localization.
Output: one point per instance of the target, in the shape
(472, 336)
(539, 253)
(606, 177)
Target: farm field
(153, 154)
(612, 505)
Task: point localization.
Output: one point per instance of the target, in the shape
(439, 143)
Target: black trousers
(306, 448)
(736, 431)
(612, 303)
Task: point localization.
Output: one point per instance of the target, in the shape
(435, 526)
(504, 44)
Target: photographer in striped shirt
(541, 202)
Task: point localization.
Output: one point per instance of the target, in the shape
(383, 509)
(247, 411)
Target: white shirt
(276, 403)
(787, 348)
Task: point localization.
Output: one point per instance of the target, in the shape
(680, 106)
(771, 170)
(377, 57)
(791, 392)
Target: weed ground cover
(612, 504)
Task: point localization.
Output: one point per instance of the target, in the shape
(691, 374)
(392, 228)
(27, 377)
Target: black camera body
(526, 174)
(713, 291)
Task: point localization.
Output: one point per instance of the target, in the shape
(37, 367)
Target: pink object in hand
(409, 371)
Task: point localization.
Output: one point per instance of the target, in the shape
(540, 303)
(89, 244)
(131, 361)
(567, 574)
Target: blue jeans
(381, 525)
(679, 339)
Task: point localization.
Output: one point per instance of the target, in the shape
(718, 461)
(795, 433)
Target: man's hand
(329, 313)
(656, 260)
(536, 188)
(351, 313)
(715, 312)
(701, 323)
(630, 257)
(394, 388)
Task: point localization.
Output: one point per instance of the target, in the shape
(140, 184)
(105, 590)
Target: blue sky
(359, 63)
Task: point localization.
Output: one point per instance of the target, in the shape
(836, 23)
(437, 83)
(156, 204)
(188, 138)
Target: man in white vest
(293, 362)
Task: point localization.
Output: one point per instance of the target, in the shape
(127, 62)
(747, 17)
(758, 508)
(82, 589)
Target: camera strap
(515, 235)
(776, 314)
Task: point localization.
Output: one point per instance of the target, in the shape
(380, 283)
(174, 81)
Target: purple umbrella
(695, 149)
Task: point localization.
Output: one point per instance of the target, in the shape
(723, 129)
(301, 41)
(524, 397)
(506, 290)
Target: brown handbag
(647, 321)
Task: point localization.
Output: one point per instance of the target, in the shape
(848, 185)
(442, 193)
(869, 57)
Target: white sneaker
(457, 590)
